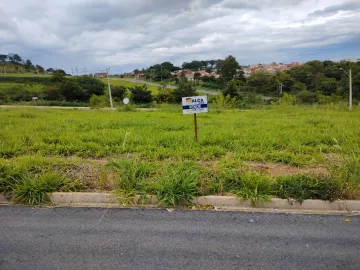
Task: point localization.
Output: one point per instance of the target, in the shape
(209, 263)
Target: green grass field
(30, 86)
(295, 136)
(154, 152)
(153, 89)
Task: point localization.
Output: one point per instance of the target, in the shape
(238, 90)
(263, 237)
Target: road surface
(95, 238)
(207, 92)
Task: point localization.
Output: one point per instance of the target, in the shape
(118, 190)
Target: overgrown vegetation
(153, 153)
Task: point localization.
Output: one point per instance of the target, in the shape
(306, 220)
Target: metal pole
(350, 90)
(111, 103)
(195, 122)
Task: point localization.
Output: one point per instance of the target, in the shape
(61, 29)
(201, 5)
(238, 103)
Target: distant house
(140, 75)
(100, 75)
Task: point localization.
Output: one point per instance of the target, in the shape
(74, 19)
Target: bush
(98, 102)
(165, 95)
(71, 91)
(140, 94)
(126, 108)
(287, 99)
(52, 92)
(118, 92)
(89, 86)
(20, 93)
(184, 89)
(306, 97)
(222, 102)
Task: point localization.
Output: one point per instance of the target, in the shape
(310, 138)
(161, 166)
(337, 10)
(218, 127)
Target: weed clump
(178, 185)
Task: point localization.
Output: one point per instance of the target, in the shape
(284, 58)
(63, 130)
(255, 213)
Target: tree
(194, 65)
(3, 57)
(197, 76)
(118, 92)
(184, 89)
(71, 91)
(232, 88)
(140, 94)
(328, 86)
(165, 94)
(90, 86)
(286, 80)
(262, 82)
(60, 71)
(229, 69)
(28, 65)
(298, 87)
(50, 70)
(40, 69)
(13, 57)
(57, 77)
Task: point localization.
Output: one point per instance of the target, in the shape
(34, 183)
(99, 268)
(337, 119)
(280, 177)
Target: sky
(128, 34)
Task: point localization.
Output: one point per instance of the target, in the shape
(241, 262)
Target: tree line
(27, 65)
(309, 82)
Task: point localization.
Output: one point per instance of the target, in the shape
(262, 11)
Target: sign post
(195, 105)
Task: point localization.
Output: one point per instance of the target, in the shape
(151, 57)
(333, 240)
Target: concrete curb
(225, 202)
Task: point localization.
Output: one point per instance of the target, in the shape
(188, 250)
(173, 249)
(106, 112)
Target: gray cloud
(143, 32)
(334, 9)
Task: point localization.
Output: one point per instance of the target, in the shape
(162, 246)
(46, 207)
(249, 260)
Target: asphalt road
(95, 238)
(207, 92)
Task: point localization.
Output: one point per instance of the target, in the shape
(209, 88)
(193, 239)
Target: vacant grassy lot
(154, 152)
(117, 82)
(295, 136)
(34, 87)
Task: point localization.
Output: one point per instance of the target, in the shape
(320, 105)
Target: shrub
(184, 89)
(52, 92)
(165, 94)
(224, 102)
(98, 101)
(89, 86)
(140, 94)
(118, 92)
(306, 97)
(287, 99)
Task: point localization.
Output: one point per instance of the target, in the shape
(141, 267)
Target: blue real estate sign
(191, 105)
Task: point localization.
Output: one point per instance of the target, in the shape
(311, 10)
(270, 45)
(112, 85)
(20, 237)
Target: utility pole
(350, 90)
(108, 81)
(77, 72)
(350, 86)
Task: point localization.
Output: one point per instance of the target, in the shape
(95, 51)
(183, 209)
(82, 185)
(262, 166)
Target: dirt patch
(93, 176)
(274, 169)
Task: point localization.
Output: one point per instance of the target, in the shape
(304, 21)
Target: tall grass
(296, 136)
(155, 152)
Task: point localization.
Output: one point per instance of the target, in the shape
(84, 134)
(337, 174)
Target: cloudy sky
(128, 34)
